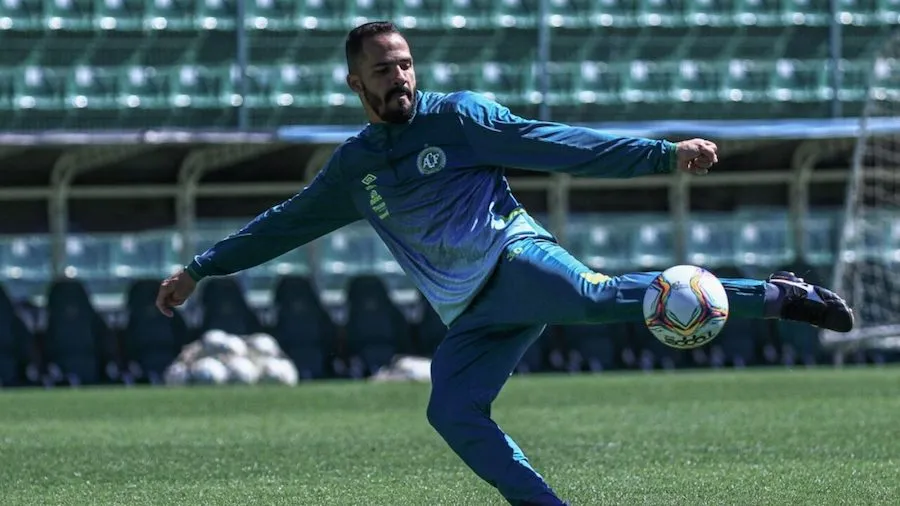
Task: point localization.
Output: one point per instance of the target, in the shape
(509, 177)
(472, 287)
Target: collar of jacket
(382, 133)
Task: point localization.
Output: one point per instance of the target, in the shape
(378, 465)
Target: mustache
(400, 90)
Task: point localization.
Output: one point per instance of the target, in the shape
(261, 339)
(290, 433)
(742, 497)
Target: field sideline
(814, 437)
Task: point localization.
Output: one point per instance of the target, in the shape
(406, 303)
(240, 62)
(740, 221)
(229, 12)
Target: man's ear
(354, 83)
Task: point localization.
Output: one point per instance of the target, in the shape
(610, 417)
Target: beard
(389, 111)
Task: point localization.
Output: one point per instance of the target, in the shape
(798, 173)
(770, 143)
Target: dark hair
(356, 37)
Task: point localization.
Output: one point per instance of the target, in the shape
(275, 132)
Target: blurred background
(136, 133)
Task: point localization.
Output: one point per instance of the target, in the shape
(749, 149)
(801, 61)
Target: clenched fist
(173, 291)
(696, 156)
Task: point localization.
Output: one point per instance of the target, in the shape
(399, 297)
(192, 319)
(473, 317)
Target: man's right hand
(173, 291)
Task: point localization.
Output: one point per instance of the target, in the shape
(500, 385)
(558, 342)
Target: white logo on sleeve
(430, 160)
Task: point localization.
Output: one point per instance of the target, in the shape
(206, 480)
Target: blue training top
(434, 190)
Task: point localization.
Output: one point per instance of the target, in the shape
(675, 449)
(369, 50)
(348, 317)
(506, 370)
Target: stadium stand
(341, 306)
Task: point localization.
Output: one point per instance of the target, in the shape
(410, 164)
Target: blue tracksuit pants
(536, 283)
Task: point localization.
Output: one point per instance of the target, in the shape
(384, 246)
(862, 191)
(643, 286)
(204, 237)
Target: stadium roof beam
(803, 163)
(198, 163)
(70, 165)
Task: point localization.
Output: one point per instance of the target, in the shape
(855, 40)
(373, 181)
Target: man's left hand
(696, 156)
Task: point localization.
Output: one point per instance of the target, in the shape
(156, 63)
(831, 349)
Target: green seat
(647, 81)
(758, 12)
(87, 257)
(618, 13)
(419, 14)
(215, 14)
(362, 11)
(143, 87)
(889, 11)
(198, 86)
(696, 81)
(763, 238)
(806, 12)
(745, 80)
(800, 81)
(144, 255)
(270, 14)
(91, 87)
(652, 244)
(660, 13)
(602, 242)
(169, 15)
(710, 239)
(37, 88)
(854, 80)
(472, 14)
(515, 13)
(26, 257)
(858, 12)
(709, 13)
(68, 14)
(569, 13)
(320, 14)
(345, 253)
(21, 14)
(311, 85)
(118, 14)
(820, 235)
(7, 93)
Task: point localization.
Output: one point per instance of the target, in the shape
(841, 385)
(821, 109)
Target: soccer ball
(685, 307)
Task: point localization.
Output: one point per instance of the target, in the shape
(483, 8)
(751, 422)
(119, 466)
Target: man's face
(385, 78)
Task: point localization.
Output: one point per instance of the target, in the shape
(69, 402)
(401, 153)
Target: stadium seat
(200, 87)
(710, 239)
(169, 15)
(745, 80)
(603, 242)
(77, 344)
(806, 12)
(303, 328)
(38, 88)
(225, 308)
(470, 14)
(26, 264)
(146, 255)
(762, 238)
(619, 13)
(376, 330)
(345, 253)
(320, 14)
(420, 14)
(118, 14)
(696, 82)
(821, 236)
(142, 87)
(649, 82)
(270, 14)
(652, 243)
(87, 257)
(151, 339)
(91, 87)
(68, 14)
(800, 81)
(758, 12)
(215, 14)
(21, 14)
(16, 344)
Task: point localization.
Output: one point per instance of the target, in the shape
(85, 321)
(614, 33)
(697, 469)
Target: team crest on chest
(431, 159)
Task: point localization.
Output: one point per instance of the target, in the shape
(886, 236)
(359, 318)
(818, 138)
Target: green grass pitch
(815, 437)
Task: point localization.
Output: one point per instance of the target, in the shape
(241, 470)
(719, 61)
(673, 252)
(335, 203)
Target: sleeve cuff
(670, 153)
(193, 270)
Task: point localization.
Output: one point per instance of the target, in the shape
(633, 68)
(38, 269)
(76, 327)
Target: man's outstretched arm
(320, 208)
(501, 138)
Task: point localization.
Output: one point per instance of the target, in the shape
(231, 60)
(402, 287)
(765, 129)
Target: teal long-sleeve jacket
(434, 190)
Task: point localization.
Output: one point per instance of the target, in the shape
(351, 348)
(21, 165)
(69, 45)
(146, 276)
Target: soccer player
(427, 173)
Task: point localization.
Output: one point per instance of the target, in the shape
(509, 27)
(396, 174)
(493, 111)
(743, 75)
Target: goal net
(867, 268)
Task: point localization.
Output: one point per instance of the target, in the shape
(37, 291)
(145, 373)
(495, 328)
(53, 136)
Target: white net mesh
(867, 272)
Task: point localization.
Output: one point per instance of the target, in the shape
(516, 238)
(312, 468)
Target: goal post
(867, 264)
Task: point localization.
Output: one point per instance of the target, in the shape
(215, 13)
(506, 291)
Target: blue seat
(376, 329)
(303, 329)
(225, 308)
(151, 340)
(78, 341)
(16, 344)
